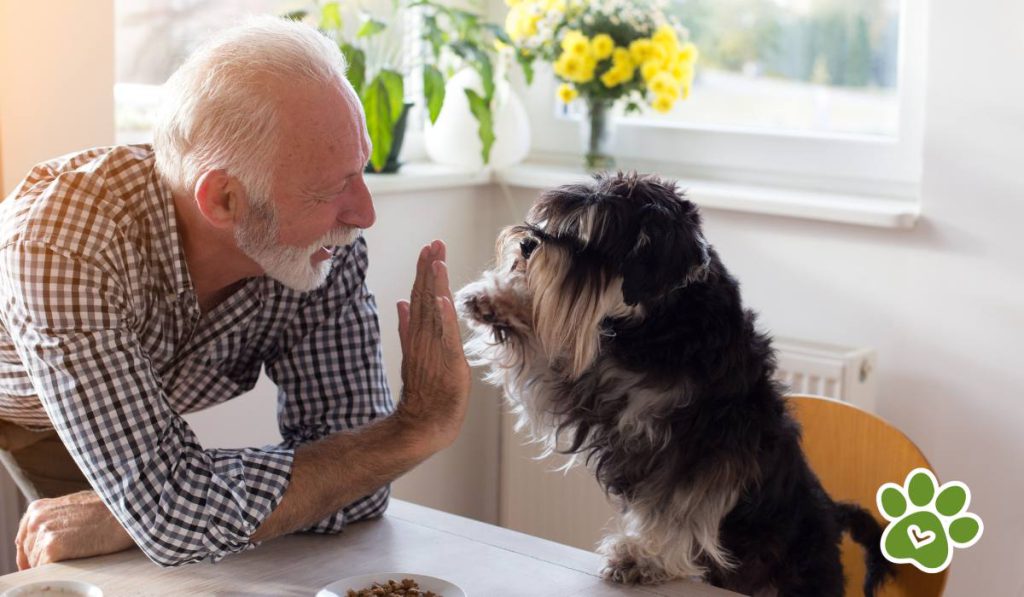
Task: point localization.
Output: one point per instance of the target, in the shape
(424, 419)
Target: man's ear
(220, 198)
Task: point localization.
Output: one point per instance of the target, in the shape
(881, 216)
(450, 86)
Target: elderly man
(140, 283)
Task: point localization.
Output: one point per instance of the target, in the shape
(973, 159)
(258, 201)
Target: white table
(483, 559)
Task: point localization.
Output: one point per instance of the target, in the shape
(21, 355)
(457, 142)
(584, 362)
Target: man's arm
(72, 320)
(328, 366)
(326, 474)
(333, 472)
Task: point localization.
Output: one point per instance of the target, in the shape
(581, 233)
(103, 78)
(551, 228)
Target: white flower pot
(455, 139)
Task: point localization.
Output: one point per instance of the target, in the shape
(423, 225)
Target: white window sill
(863, 210)
(426, 176)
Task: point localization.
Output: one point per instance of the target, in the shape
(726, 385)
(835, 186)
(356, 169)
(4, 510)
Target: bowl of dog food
(54, 588)
(392, 584)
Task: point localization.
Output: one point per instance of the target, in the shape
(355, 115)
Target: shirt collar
(171, 253)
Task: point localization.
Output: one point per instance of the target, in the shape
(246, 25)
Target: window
(815, 94)
(153, 37)
(813, 66)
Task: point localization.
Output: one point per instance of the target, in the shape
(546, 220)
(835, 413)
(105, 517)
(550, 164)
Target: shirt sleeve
(72, 324)
(330, 374)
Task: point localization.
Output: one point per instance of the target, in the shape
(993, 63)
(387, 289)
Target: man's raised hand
(435, 374)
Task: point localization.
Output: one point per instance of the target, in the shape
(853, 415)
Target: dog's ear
(670, 252)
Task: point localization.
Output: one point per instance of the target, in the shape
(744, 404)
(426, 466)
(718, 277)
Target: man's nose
(358, 211)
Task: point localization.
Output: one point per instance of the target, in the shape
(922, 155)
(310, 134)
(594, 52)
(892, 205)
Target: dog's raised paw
(479, 308)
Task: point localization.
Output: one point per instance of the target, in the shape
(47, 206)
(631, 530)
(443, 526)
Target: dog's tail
(864, 529)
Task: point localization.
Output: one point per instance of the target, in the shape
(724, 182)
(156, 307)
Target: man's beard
(257, 238)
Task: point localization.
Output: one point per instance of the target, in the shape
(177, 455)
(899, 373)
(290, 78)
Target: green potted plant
(456, 37)
(461, 38)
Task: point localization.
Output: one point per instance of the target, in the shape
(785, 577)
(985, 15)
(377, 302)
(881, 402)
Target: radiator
(569, 507)
(838, 372)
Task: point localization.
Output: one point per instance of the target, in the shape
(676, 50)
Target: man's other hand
(73, 526)
(435, 374)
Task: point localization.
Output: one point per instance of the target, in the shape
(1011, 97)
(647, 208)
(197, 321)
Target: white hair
(219, 110)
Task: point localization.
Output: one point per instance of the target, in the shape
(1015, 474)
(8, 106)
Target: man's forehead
(325, 136)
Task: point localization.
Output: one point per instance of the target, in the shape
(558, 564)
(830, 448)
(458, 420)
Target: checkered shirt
(102, 339)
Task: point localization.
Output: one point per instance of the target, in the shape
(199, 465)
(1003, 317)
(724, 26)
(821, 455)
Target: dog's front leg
(627, 563)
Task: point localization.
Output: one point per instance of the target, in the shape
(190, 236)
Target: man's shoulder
(80, 201)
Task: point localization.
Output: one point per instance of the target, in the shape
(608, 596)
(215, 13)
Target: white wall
(59, 100)
(944, 302)
(56, 81)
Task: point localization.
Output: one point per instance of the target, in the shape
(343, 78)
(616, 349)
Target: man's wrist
(415, 434)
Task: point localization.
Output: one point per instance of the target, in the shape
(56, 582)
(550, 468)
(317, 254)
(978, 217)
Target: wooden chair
(854, 452)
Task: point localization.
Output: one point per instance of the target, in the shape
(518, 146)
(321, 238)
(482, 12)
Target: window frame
(857, 164)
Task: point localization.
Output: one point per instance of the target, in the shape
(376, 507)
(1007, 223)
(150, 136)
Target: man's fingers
(23, 559)
(441, 282)
(23, 541)
(451, 336)
(22, 556)
(43, 551)
(420, 299)
(420, 280)
(403, 325)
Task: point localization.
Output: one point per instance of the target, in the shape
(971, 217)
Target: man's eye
(527, 245)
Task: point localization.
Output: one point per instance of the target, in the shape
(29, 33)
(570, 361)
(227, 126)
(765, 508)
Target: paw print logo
(926, 521)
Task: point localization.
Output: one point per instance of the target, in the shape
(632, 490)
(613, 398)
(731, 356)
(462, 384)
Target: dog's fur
(620, 338)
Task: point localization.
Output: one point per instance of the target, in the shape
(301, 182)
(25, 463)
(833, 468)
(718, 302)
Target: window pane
(153, 37)
(818, 66)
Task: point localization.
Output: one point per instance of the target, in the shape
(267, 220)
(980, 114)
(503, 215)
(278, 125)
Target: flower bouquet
(604, 51)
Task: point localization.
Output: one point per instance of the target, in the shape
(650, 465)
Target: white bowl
(340, 588)
(50, 588)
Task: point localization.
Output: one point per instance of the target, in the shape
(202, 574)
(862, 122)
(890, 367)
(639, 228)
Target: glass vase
(597, 135)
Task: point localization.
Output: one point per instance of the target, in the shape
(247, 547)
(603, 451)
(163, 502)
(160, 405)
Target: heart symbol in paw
(920, 538)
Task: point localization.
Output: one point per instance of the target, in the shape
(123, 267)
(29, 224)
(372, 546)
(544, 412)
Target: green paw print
(924, 531)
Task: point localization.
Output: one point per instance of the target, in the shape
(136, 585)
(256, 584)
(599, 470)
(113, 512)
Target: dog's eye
(527, 245)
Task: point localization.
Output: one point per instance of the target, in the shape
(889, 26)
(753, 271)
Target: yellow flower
(603, 45)
(664, 83)
(513, 3)
(682, 72)
(657, 53)
(554, 6)
(587, 72)
(626, 72)
(611, 78)
(567, 92)
(567, 66)
(579, 69)
(666, 36)
(649, 69)
(688, 53)
(662, 103)
(520, 24)
(576, 43)
(621, 57)
(640, 49)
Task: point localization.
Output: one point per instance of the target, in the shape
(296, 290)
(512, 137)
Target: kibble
(406, 588)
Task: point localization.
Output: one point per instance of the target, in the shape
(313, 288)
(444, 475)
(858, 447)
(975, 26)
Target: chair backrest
(854, 452)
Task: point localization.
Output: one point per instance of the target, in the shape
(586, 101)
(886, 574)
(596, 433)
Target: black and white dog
(620, 338)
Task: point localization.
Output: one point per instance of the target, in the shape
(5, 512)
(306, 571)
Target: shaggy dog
(619, 337)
